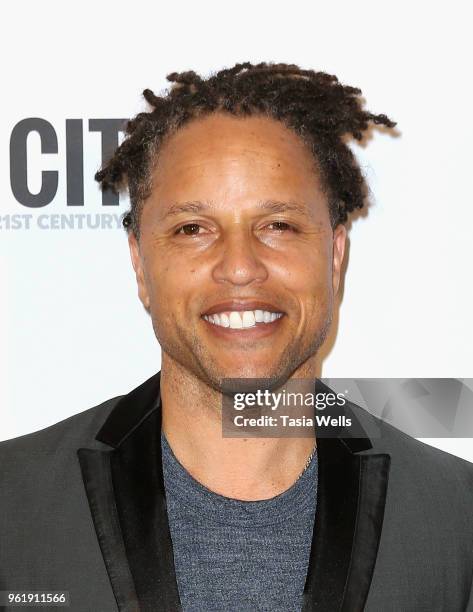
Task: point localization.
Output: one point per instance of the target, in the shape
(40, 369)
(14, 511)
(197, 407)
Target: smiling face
(237, 262)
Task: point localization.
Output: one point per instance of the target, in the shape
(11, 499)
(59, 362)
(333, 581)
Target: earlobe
(137, 263)
(339, 241)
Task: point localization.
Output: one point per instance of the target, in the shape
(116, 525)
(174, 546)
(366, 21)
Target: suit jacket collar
(125, 490)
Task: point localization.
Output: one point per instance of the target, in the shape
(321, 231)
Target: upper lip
(241, 305)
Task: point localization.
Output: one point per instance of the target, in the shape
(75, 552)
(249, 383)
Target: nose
(238, 262)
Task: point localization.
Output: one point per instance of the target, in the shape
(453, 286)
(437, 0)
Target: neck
(240, 468)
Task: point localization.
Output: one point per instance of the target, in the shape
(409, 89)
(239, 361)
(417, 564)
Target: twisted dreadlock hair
(322, 111)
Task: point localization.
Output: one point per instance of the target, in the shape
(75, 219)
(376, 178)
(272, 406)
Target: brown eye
(280, 225)
(190, 229)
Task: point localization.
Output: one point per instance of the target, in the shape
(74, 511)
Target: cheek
(170, 286)
(316, 303)
(310, 282)
(308, 274)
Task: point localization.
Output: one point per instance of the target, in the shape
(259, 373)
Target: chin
(248, 370)
(247, 373)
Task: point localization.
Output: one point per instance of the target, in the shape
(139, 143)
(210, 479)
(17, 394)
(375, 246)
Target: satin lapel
(97, 476)
(139, 493)
(128, 505)
(374, 474)
(351, 495)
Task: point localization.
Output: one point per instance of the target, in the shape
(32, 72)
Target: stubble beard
(191, 354)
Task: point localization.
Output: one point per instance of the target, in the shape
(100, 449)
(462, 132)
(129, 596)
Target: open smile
(248, 318)
(256, 331)
(235, 319)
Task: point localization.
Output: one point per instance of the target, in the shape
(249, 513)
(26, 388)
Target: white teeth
(248, 318)
(242, 319)
(235, 320)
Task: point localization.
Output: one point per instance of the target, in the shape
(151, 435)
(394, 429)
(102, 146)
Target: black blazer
(83, 509)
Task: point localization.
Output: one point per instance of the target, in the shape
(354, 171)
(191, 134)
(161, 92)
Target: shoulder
(429, 474)
(386, 438)
(61, 438)
(425, 457)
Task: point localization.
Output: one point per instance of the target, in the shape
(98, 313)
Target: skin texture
(234, 242)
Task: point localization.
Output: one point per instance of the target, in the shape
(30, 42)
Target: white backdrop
(72, 330)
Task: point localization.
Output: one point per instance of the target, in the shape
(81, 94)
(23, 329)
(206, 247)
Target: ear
(339, 241)
(137, 261)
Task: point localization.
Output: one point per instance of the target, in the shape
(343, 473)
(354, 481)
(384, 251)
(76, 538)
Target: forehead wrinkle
(192, 206)
(277, 206)
(274, 206)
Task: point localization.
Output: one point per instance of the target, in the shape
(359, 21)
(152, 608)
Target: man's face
(237, 221)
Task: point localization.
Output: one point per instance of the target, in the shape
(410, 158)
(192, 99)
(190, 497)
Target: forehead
(224, 134)
(226, 158)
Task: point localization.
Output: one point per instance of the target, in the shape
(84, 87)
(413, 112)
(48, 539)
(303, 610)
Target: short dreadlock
(313, 104)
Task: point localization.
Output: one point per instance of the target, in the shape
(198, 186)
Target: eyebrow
(274, 206)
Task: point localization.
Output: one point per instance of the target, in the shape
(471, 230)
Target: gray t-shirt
(239, 556)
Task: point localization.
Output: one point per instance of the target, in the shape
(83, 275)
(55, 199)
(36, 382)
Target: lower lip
(260, 330)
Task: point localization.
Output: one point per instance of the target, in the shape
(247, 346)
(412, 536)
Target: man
(240, 186)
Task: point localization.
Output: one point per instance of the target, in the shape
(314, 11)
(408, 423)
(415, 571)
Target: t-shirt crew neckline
(210, 506)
